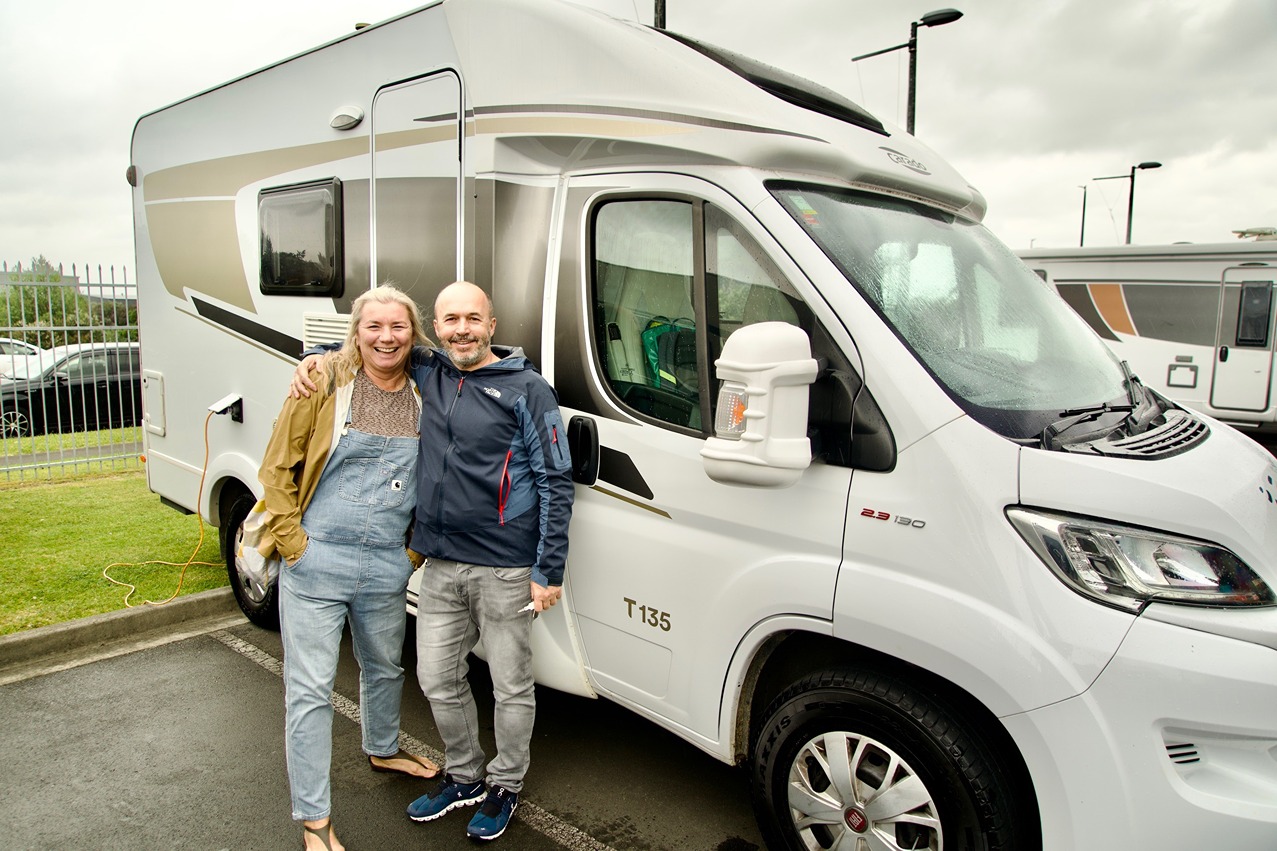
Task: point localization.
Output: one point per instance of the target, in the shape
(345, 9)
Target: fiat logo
(856, 820)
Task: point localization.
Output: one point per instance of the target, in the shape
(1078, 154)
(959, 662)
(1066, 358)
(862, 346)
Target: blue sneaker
(492, 818)
(447, 796)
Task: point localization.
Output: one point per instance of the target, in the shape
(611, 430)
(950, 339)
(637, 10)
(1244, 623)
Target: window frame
(1242, 338)
(333, 284)
(704, 298)
(598, 344)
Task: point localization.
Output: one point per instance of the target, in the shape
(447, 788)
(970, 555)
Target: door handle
(583, 445)
(1223, 354)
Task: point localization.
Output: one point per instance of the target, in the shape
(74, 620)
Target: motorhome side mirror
(761, 425)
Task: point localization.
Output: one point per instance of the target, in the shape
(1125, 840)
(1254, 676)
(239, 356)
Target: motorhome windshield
(999, 340)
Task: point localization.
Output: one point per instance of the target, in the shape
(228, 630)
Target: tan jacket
(304, 435)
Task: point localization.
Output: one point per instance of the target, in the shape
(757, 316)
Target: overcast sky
(1029, 100)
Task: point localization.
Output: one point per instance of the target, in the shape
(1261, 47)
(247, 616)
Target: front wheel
(15, 422)
(860, 761)
(260, 605)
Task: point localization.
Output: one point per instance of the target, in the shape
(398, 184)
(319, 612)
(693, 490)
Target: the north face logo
(493, 392)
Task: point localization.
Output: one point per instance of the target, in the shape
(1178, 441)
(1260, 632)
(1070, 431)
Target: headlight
(1127, 567)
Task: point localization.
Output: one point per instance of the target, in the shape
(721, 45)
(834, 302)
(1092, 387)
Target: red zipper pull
(504, 488)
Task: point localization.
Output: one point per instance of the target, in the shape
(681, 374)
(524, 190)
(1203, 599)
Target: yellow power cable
(190, 561)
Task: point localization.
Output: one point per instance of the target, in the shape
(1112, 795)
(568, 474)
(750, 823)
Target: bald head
(464, 324)
(462, 291)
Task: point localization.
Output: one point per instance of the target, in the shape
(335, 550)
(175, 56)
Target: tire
(261, 606)
(840, 750)
(16, 422)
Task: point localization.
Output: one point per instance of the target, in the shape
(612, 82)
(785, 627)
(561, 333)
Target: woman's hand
(292, 561)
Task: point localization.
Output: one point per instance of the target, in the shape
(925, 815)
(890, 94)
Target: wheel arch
(222, 494)
(786, 656)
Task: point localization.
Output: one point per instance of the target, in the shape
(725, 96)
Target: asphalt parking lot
(173, 738)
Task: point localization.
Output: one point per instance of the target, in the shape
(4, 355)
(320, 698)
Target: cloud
(1028, 100)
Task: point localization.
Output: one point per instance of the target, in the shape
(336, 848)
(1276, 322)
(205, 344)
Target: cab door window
(673, 278)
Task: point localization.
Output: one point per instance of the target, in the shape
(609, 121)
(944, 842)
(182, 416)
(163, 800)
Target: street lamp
(938, 18)
(1130, 201)
(1081, 240)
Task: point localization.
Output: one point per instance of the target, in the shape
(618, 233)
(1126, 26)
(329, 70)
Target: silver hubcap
(13, 424)
(851, 793)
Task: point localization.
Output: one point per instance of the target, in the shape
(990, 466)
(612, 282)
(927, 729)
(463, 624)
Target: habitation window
(1253, 314)
(301, 239)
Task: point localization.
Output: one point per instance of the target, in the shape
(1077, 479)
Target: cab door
(1242, 377)
(668, 569)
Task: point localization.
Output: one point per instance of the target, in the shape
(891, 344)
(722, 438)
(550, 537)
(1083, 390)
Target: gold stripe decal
(1111, 304)
(633, 502)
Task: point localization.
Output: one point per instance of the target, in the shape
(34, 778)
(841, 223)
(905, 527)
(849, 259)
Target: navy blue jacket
(494, 476)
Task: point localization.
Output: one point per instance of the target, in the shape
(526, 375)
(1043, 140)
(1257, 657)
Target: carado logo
(906, 161)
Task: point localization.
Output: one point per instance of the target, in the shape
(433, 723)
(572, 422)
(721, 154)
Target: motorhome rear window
(301, 237)
(1253, 313)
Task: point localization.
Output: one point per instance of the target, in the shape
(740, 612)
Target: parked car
(10, 346)
(13, 352)
(70, 388)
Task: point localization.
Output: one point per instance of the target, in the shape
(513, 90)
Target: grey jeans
(459, 604)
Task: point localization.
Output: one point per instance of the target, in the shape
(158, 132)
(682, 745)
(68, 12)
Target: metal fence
(70, 373)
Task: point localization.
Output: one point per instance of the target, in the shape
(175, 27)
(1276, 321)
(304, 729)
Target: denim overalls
(355, 565)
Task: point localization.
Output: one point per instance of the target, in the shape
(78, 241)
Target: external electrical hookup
(231, 403)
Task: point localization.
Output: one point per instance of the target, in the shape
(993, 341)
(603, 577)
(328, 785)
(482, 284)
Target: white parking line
(535, 817)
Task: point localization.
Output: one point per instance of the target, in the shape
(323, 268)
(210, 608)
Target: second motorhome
(861, 504)
(1195, 322)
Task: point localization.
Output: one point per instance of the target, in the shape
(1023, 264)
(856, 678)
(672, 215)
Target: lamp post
(1130, 201)
(940, 17)
(1081, 239)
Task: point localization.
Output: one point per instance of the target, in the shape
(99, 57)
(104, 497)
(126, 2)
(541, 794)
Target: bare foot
(405, 763)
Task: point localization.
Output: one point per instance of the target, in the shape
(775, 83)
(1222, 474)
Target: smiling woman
(340, 482)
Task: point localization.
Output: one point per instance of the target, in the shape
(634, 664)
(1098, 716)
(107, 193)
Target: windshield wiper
(1091, 413)
(1129, 381)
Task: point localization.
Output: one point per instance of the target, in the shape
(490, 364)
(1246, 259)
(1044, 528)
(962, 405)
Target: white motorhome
(861, 504)
(1195, 322)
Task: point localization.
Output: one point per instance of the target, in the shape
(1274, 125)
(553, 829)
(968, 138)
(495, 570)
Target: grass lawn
(58, 537)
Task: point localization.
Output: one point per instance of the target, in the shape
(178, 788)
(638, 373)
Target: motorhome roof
(572, 85)
(1240, 251)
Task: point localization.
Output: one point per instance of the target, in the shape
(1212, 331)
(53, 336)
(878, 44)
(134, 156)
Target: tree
(44, 309)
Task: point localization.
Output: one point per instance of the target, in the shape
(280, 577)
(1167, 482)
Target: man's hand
(301, 384)
(544, 598)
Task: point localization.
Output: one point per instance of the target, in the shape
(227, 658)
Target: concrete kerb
(98, 632)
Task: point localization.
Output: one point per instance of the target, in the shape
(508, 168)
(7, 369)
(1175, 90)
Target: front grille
(1185, 754)
(1181, 432)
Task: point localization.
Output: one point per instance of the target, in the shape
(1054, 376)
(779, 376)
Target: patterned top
(377, 411)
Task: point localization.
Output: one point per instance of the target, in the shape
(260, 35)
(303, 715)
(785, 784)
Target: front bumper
(1173, 747)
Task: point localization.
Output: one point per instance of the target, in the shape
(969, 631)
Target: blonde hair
(349, 360)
